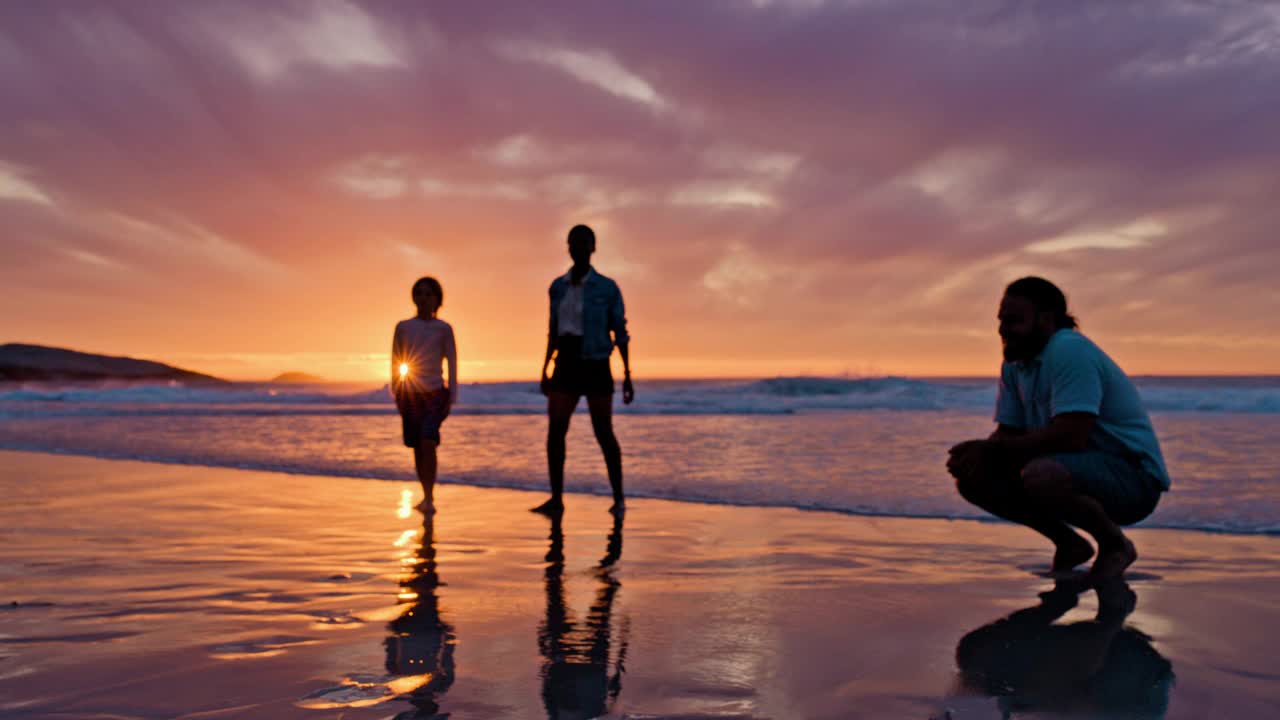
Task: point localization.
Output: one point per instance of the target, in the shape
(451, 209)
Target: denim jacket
(602, 313)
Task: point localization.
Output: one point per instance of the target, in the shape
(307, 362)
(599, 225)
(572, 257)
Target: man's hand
(628, 391)
(545, 384)
(966, 458)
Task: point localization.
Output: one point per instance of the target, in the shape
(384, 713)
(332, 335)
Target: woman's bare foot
(549, 508)
(1071, 554)
(1112, 561)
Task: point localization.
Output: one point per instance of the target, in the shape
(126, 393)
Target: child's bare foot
(1112, 561)
(1069, 555)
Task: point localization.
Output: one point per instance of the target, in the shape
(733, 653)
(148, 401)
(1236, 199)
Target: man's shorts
(576, 376)
(421, 414)
(1126, 491)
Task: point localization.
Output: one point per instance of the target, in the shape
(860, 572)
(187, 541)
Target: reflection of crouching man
(1089, 668)
(1073, 446)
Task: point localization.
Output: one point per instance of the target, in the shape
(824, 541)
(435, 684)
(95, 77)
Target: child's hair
(430, 282)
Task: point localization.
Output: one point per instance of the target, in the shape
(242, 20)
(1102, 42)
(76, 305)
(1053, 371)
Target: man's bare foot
(1112, 562)
(1116, 600)
(1064, 595)
(1069, 555)
(618, 507)
(549, 508)
(427, 506)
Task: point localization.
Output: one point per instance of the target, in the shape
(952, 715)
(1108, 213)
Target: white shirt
(424, 345)
(1071, 374)
(570, 320)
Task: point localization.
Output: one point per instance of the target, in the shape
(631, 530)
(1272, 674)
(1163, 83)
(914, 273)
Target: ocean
(872, 446)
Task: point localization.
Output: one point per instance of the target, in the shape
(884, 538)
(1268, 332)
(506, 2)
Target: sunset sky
(806, 187)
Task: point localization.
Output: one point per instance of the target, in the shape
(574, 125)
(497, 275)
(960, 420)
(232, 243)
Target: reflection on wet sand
(1096, 668)
(580, 676)
(421, 642)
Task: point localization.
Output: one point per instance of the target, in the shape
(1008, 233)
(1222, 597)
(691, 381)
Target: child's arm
(397, 357)
(451, 356)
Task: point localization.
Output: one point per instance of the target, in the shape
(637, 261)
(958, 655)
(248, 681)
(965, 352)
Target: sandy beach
(137, 590)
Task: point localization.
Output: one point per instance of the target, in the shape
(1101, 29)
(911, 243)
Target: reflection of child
(422, 647)
(422, 642)
(419, 349)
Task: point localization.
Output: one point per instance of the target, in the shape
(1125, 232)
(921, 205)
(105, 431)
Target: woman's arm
(618, 324)
(552, 333)
(546, 361)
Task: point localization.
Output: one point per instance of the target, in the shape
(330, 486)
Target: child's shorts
(421, 414)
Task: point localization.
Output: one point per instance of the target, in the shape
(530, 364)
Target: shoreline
(603, 492)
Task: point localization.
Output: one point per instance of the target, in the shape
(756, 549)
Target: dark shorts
(421, 414)
(1121, 485)
(577, 377)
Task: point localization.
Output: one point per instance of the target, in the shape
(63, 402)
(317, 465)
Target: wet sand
(137, 590)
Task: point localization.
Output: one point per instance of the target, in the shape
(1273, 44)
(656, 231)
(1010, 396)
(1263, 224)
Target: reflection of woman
(421, 642)
(1093, 666)
(578, 679)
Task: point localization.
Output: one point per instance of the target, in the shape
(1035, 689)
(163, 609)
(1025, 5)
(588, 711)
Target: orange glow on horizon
(494, 349)
(744, 248)
(921, 364)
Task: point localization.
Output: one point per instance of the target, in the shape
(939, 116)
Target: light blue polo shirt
(1072, 374)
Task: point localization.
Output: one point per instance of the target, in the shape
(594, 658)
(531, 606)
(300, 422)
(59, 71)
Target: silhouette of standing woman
(587, 321)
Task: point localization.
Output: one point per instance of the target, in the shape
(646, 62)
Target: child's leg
(424, 456)
(424, 459)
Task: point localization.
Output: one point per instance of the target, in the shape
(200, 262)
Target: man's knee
(975, 484)
(1046, 478)
(970, 487)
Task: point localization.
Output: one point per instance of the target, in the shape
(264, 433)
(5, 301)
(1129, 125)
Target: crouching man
(1073, 446)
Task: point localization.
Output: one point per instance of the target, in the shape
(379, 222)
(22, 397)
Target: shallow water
(1224, 465)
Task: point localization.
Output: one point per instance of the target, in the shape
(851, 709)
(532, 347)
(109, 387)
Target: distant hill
(297, 378)
(27, 363)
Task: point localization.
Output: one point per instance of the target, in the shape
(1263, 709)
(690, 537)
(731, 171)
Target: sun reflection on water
(406, 537)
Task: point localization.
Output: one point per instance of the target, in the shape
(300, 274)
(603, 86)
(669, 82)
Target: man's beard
(1024, 347)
